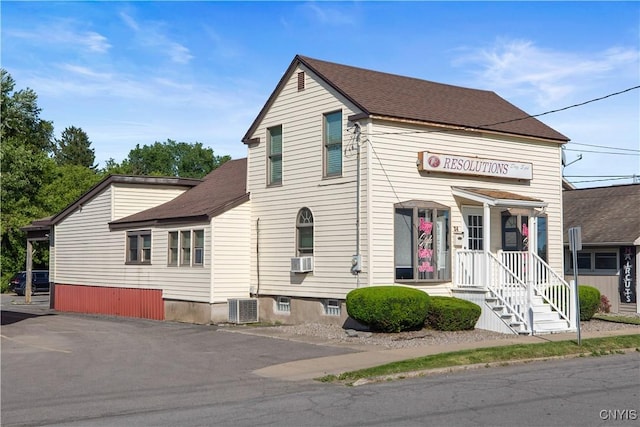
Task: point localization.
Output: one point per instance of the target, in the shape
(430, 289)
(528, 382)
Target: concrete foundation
(302, 310)
(188, 311)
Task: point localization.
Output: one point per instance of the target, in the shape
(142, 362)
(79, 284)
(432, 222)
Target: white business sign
(448, 163)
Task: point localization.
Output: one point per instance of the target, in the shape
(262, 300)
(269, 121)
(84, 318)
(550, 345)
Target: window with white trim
(186, 248)
(304, 231)
(332, 136)
(421, 242)
(139, 247)
(274, 163)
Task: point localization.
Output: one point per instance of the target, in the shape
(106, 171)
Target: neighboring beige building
(609, 220)
(412, 182)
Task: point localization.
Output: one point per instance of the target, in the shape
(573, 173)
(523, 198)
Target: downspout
(258, 258)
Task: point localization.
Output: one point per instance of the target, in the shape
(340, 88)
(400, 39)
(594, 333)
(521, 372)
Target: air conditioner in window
(243, 310)
(302, 264)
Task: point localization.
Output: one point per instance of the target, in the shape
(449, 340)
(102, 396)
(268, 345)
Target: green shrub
(452, 314)
(388, 308)
(589, 301)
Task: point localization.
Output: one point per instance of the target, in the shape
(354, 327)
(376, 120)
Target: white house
(159, 248)
(353, 178)
(360, 178)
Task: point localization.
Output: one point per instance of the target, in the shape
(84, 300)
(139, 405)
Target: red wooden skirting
(126, 302)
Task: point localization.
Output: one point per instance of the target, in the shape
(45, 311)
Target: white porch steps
(545, 320)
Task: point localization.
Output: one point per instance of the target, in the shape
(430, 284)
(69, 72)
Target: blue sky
(137, 72)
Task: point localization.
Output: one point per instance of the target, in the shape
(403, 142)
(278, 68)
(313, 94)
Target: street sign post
(575, 244)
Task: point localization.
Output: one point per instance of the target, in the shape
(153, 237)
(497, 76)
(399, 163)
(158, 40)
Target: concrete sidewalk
(335, 365)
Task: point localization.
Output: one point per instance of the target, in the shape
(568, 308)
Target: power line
(603, 152)
(600, 180)
(599, 176)
(605, 147)
(480, 127)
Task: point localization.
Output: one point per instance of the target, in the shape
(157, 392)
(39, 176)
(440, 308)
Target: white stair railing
(509, 289)
(470, 268)
(554, 290)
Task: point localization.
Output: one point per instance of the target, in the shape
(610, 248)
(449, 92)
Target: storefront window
(421, 242)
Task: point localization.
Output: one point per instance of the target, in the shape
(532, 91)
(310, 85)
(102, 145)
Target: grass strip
(591, 346)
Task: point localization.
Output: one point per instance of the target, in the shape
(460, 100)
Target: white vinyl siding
(88, 253)
(129, 199)
(394, 178)
(388, 176)
(231, 253)
(333, 201)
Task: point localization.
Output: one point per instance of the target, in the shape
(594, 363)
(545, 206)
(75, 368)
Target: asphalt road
(75, 370)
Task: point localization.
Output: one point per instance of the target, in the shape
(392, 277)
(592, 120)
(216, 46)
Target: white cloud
(325, 13)
(549, 76)
(152, 35)
(62, 35)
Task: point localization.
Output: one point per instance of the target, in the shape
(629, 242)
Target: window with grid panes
(333, 144)
(275, 155)
(139, 247)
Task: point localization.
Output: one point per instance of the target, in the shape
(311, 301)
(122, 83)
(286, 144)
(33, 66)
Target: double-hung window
(332, 136)
(275, 155)
(304, 230)
(421, 242)
(139, 247)
(186, 248)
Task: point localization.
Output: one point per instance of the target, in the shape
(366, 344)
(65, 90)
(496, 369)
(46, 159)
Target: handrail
(517, 290)
(557, 293)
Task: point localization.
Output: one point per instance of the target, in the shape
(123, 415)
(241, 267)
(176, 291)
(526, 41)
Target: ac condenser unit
(302, 264)
(243, 310)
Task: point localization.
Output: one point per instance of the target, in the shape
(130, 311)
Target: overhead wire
(531, 116)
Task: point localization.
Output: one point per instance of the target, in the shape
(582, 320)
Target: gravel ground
(335, 334)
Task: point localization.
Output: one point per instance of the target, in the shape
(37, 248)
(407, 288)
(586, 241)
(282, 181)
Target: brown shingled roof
(606, 215)
(392, 96)
(219, 191)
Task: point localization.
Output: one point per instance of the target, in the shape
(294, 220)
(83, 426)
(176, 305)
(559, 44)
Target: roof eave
(451, 127)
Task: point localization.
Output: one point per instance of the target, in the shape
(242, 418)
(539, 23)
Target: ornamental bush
(388, 308)
(452, 314)
(589, 301)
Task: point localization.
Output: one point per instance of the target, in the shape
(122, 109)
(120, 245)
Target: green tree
(169, 158)
(67, 184)
(21, 120)
(74, 148)
(26, 167)
(32, 185)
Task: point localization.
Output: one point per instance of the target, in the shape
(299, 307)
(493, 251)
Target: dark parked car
(39, 282)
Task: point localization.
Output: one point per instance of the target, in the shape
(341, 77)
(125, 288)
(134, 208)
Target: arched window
(304, 227)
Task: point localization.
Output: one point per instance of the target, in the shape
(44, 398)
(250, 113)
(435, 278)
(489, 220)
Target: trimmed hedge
(589, 301)
(388, 308)
(452, 314)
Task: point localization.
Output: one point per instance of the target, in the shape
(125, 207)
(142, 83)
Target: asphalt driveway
(60, 367)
